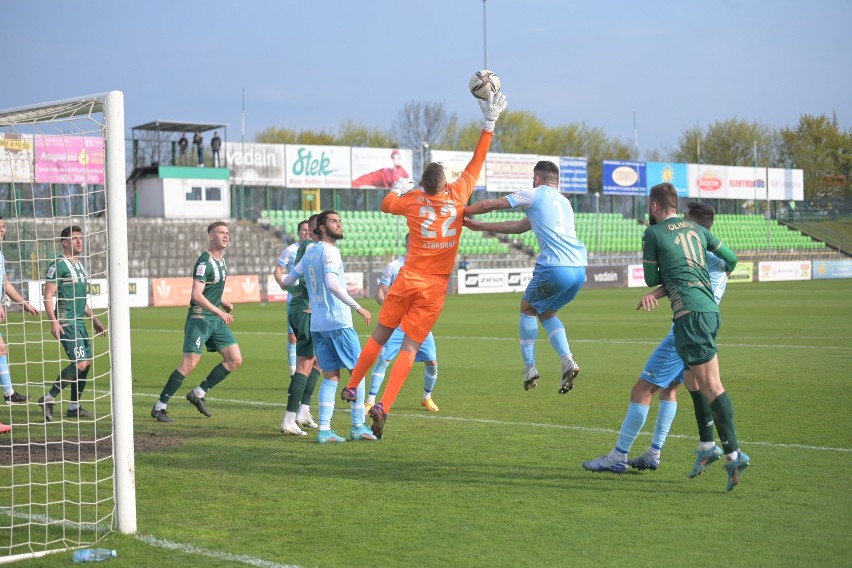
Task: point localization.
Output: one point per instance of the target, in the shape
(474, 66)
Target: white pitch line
(602, 340)
(147, 539)
(216, 554)
(649, 342)
(515, 424)
(45, 520)
(612, 431)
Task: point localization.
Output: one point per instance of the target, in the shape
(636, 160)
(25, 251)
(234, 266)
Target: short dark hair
(215, 224)
(66, 232)
(312, 220)
(701, 213)
(321, 220)
(664, 195)
(433, 179)
(299, 226)
(548, 172)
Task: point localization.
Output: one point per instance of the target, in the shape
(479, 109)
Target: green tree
(522, 132)
(357, 134)
(422, 126)
(824, 153)
(729, 142)
(275, 135)
(688, 150)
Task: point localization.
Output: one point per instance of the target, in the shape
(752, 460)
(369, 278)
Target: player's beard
(333, 235)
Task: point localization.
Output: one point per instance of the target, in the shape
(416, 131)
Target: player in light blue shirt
(286, 261)
(664, 373)
(335, 341)
(560, 268)
(426, 354)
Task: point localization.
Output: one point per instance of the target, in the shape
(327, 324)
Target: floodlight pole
(754, 182)
(484, 39)
(424, 148)
(698, 152)
(243, 144)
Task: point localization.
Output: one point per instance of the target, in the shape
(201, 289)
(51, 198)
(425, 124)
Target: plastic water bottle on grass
(93, 555)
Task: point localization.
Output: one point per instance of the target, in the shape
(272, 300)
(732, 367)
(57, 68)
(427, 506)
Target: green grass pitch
(494, 478)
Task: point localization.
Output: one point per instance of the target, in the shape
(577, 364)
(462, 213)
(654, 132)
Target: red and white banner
(746, 183)
(379, 168)
(242, 289)
(274, 293)
(708, 181)
(636, 276)
(239, 289)
(355, 284)
(171, 291)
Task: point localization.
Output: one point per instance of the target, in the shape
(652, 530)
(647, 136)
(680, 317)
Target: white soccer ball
(483, 83)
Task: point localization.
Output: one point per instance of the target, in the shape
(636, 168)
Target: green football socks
(296, 391)
(311, 386)
(216, 376)
(172, 386)
(723, 413)
(703, 416)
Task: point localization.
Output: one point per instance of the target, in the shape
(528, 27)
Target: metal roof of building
(179, 126)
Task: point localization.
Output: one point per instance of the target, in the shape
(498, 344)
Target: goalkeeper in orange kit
(434, 213)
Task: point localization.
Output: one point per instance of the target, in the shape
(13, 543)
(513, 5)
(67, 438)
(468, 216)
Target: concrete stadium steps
(168, 248)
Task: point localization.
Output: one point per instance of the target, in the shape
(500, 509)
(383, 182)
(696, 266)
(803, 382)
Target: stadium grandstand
(163, 248)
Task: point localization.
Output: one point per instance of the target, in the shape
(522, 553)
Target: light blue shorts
(338, 349)
(552, 287)
(664, 366)
(427, 352)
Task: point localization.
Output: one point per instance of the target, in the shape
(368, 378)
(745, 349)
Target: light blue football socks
(528, 327)
(556, 335)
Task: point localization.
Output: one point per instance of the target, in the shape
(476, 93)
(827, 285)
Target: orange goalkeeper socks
(399, 372)
(368, 357)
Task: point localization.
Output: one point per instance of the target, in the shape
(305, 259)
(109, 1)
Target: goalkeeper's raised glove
(491, 109)
(402, 186)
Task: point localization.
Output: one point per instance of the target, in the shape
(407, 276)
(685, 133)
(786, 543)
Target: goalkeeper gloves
(491, 109)
(402, 186)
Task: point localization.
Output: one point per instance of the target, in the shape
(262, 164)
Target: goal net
(66, 480)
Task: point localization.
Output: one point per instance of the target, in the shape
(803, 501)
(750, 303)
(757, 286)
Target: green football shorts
(695, 336)
(212, 333)
(76, 343)
(301, 324)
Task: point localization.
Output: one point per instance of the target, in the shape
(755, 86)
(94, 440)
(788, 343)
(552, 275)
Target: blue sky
(314, 63)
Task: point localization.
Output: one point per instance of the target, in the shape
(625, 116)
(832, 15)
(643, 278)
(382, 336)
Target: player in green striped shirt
(206, 326)
(68, 280)
(674, 255)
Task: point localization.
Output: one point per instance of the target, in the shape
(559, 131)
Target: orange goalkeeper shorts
(415, 301)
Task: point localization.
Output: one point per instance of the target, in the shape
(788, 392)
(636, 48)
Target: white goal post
(69, 480)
